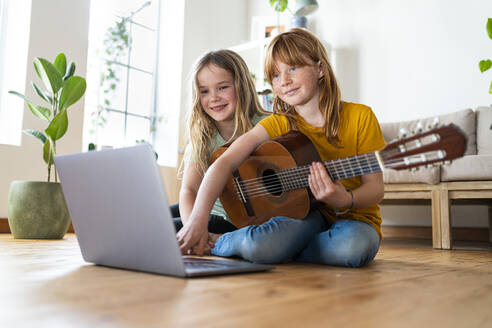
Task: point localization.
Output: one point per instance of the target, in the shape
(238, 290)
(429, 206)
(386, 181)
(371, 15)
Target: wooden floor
(47, 284)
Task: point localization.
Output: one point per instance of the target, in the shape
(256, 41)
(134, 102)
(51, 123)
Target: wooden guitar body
(266, 201)
(273, 181)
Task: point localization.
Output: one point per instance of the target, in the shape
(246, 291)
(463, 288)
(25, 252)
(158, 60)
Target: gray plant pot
(37, 210)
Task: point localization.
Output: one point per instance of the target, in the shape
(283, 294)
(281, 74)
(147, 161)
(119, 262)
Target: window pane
(113, 132)
(140, 90)
(113, 90)
(123, 89)
(143, 48)
(14, 45)
(116, 41)
(137, 129)
(148, 15)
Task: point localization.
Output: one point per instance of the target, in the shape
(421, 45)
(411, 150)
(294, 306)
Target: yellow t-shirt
(359, 133)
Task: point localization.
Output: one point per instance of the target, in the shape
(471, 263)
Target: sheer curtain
(14, 41)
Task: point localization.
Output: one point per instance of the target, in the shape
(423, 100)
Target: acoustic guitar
(273, 181)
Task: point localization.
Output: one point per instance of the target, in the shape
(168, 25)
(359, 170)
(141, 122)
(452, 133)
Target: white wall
(408, 59)
(417, 58)
(56, 26)
(210, 25)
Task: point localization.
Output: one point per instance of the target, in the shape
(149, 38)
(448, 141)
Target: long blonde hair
(293, 48)
(202, 127)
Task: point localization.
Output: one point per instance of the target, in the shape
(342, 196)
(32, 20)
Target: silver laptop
(121, 215)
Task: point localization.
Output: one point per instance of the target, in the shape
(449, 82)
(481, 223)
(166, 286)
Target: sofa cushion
(423, 175)
(484, 132)
(473, 167)
(465, 119)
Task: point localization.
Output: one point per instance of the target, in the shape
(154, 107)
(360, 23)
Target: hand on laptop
(193, 238)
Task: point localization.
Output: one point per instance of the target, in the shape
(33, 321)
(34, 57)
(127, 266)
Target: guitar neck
(338, 169)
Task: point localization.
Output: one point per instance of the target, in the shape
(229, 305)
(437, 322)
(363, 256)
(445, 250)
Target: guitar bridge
(242, 194)
(239, 190)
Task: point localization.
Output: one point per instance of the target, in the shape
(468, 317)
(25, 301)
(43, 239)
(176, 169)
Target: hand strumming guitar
(325, 189)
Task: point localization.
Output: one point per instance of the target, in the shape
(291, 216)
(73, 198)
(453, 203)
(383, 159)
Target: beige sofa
(465, 180)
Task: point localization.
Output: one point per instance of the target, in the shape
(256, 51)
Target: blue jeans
(346, 243)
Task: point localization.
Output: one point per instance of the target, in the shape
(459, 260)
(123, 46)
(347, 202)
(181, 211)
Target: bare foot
(212, 238)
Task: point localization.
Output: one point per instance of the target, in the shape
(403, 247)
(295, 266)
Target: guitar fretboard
(338, 169)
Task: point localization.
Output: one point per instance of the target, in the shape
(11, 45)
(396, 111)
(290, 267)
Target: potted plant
(37, 210)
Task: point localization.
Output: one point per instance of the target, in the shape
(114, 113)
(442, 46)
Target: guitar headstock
(435, 146)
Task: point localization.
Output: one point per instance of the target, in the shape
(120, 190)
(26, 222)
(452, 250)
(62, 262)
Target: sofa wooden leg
(446, 237)
(436, 219)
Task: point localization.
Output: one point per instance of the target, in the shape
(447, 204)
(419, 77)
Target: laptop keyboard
(201, 263)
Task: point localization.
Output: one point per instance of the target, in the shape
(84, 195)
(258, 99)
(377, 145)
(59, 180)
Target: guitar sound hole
(272, 182)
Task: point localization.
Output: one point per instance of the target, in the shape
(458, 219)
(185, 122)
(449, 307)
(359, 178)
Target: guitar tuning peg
(403, 133)
(419, 128)
(434, 124)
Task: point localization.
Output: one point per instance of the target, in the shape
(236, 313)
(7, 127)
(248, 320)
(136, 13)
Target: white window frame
(15, 21)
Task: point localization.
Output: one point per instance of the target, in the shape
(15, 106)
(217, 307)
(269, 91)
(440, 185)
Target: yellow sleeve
(275, 125)
(370, 137)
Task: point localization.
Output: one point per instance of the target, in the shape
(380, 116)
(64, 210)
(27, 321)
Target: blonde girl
(346, 230)
(225, 106)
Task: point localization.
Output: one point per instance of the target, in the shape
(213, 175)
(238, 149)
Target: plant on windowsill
(116, 44)
(37, 210)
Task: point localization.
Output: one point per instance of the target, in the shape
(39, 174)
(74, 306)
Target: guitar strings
(286, 174)
(335, 165)
(297, 180)
(336, 169)
(293, 181)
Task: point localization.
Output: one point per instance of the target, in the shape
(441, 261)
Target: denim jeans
(346, 243)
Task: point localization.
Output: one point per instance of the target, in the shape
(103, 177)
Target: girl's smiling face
(296, 85)
(217, 94)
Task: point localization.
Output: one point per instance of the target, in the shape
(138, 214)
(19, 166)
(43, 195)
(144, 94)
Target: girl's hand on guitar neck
(325, 190)
(193, 237)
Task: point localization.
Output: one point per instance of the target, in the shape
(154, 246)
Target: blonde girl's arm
(193, 236)
(192, 178)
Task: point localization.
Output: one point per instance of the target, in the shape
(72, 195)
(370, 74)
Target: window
(120, 100)
(14, 39)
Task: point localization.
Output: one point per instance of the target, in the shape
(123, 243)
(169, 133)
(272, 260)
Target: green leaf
(279, 5)
(19, 95)
(61, 63)
(38, 111)
(37, 134)
(58, 126)
(484, 65)
(490, 89)
(489, 27)
(42, 93)
(73, 89)
(48, 151)
(48, 73)
(70, 71)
